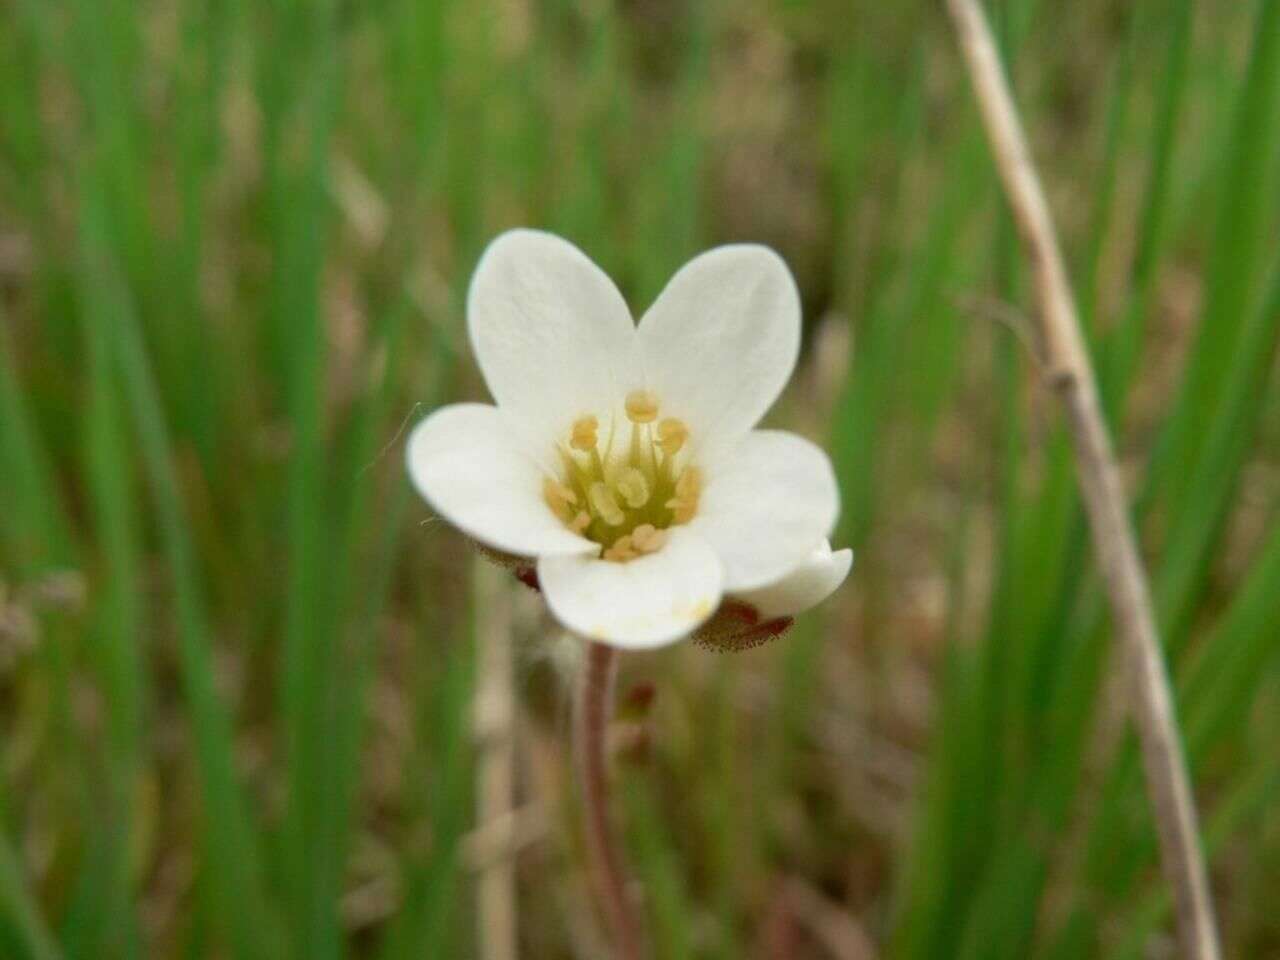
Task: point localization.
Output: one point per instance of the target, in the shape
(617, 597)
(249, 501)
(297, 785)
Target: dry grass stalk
(1115, 545)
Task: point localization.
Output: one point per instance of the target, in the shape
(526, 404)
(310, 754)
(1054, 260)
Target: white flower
(623, 457)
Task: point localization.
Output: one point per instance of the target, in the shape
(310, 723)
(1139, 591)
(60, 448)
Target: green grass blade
(33, 525)
(1221, 680)
(658, 867)
(1228, 401)
(106, 925)
(1240, 239)
(228, 842)
(310, 673)
(1117, 364)
(1213, 484)
(21, 924)
(924, 881)
(863, 404)
(1246, 801)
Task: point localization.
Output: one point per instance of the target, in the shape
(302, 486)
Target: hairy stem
(608, 875)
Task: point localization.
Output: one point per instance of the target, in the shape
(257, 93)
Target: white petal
(766, 501)
(720, 342)
(646, 602)
(465, 461)
(815, 579)
(553, 337)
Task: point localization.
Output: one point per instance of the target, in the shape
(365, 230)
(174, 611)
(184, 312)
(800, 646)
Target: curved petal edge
(464, 461)
(644, 603)
(806, 586)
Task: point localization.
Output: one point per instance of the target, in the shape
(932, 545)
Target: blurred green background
(238, 657)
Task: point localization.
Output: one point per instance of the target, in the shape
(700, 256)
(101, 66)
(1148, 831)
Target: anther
(672, 434)
(603, 502)
(583, 436)
(621, 550)
(559, 497)
(633, 486)
(642, 406)
(580, 523)
(690, 484)
(688, 490)
(648, 539)
(682, 511)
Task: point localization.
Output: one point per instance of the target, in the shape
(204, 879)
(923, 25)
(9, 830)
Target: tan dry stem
(1168, 783)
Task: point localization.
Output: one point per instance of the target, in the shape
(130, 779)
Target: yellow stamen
(689, 485)
(559, 497)
(682, 511)
(672, 434)
(642, 406)
(621, 550)
(625, 500)
(684, 504)
(583, 436)
(633, 487)
(648, 539)
(604, 503)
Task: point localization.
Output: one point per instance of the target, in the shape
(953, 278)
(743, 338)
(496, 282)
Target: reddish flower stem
(604, 854)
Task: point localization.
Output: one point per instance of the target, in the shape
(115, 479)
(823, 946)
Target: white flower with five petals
(623, 459)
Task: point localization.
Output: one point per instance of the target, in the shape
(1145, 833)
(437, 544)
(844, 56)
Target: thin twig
(608, 876)
(494, 720)
(1168, 783)
(1012, 319)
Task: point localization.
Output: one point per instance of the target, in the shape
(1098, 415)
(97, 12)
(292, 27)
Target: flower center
(625, 500)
